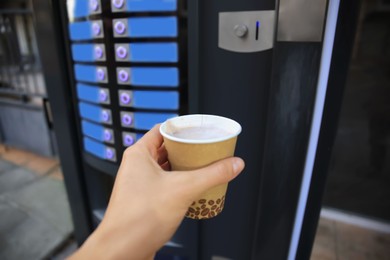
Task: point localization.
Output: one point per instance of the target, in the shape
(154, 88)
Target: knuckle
(128, 153)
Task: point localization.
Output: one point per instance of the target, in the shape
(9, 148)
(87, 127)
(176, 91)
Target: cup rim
(201, 141)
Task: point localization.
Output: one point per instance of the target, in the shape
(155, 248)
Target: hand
(148, 202)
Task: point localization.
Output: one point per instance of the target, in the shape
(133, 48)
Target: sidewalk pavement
(339, 240)
(34, 210)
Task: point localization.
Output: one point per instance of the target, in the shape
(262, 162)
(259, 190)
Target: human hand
(148, 202)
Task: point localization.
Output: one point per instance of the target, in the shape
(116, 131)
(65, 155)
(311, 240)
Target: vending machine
(115, 68)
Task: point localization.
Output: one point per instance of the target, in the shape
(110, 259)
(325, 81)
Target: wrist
(112, 239)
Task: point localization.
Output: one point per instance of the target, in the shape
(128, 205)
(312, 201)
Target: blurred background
(36, 218)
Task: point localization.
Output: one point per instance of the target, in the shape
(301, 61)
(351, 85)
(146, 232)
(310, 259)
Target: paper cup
(194, 141)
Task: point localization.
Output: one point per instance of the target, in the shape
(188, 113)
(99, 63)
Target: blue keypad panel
(97, 132)
(83, 8)
(88, 52)
(99, 150)
(149, 99)
(95, 113)
(156, 99)
(143, 5)
(97, 74)
(146, 27)
(148, 76)
(153, 27)
(143, 120)
(147, 52)
(86, 30)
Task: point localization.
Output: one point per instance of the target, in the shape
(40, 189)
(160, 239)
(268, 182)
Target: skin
(148, 201)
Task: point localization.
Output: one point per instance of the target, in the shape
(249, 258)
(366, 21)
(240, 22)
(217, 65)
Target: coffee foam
(200, 128)
(200, 132)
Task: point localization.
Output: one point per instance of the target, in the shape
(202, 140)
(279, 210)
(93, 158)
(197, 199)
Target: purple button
(123, 75)
(98, 52)
(94, 4)
(126, 119)
(107, 135)
(121, 52)
(100, 74)
(120, 27)
(118, 3)
(96, 29)
(105, 116)
(128, 140)
(109, 153)
(103, 95)
(125, 98)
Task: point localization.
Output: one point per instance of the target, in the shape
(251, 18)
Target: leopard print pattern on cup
(204, 209)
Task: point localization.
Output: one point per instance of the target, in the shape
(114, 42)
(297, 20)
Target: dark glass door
(359, 173)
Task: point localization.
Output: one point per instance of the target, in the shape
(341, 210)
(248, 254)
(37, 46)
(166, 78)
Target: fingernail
(237, 164)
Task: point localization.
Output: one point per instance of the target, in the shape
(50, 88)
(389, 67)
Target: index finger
(152, 139)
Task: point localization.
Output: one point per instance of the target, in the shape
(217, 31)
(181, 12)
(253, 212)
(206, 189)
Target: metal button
(94, 4)
(101, 75)
(98, 52)
(120, 27)
(105, 116)
(121, 52)
(128, 140)
(107, 135)
(103, 95)
(126, 119)
(118, 3)
(240, 30)
(96, 29)
(123, 76)
(125, 98)
(110, 153)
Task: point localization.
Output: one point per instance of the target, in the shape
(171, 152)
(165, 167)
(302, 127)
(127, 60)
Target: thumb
(214, 174)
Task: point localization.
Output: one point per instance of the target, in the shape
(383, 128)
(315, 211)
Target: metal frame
(342, 51)
(51, 46)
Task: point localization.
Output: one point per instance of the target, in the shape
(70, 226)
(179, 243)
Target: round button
(105, 116)
(103, 96)
(96, 29)
(98, 52)
(120, 27)
(118, 3)
(107, 135)
(125, 98)
(121, 52)
(101, 75)
(94, 4)
(123, 75)
(109, 153)
(128, 140)
(240, 30)
(126, 119)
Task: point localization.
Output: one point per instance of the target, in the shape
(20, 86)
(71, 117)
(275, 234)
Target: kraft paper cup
(190, 154)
